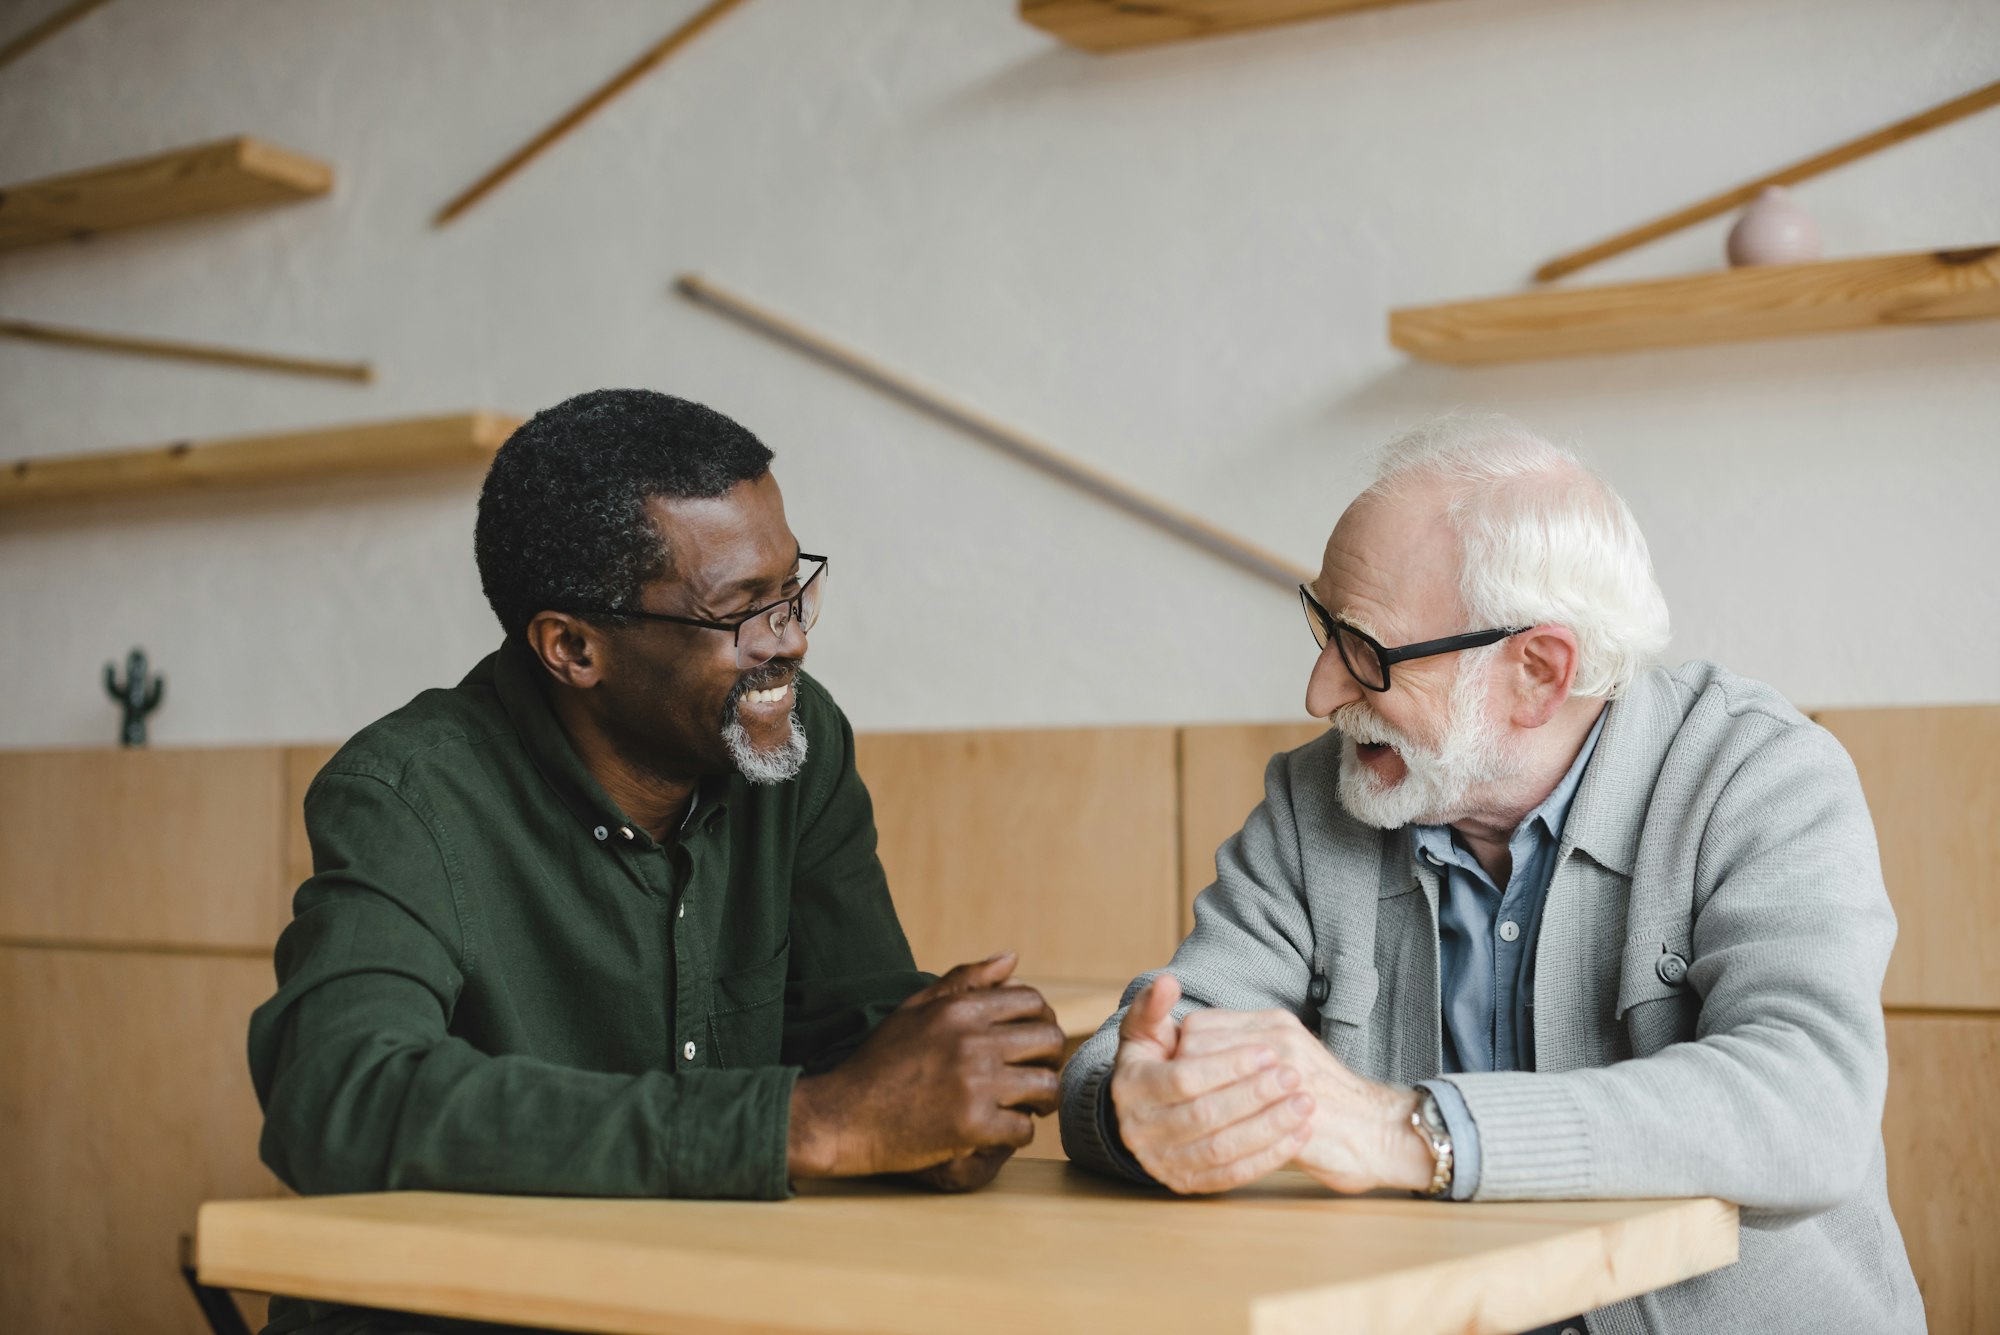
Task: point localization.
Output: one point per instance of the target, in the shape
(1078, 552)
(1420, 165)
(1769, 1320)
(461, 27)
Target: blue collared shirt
(1486, 953)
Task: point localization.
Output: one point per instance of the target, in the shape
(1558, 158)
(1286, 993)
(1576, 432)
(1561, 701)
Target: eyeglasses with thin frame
(1368, 660)
(760, 632)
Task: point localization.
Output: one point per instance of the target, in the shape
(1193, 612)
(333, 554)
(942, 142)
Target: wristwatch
(1428, 1122)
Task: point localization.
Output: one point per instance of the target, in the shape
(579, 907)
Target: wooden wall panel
(1944, 1164)
(1222, 781)
(1932, 776)
(175, 847)
(125, 1101)
(301, 764)
(1058, 844)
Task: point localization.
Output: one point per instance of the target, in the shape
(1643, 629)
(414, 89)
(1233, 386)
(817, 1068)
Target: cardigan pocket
(1351, 986)
(1655, 1001)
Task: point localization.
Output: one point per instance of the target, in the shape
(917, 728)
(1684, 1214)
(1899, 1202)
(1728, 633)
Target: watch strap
(1428, 1122)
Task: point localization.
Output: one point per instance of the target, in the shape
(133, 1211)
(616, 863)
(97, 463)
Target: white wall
(1176, 264)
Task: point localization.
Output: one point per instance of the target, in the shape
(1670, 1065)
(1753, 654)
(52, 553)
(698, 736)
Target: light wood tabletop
(1047, 1247)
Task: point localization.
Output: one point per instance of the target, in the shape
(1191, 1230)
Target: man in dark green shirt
(606, 918)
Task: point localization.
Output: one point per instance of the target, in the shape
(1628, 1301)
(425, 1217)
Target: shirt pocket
(746, 1017)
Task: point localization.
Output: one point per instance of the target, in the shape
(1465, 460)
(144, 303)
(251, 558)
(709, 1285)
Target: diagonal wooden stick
(583, 110)
(46, 29)
(190, 352)
(1180, 523)
(1839, 156)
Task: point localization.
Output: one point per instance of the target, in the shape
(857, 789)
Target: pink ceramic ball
(1774, 230)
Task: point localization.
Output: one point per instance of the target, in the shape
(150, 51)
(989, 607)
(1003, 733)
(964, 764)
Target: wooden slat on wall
(1104, 26)
(1932, 776)
(1058, 844)
(178, 848)
(301, 764)
(1222, 781)
(125, 1101)
(1944, 1164)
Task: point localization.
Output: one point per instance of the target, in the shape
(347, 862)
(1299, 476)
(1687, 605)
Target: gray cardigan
(1716, 823)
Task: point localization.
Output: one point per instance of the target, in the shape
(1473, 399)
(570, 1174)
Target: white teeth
(768, 697)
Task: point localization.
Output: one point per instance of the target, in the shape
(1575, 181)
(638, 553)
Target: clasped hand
(1225, 1097)
(945, 1088)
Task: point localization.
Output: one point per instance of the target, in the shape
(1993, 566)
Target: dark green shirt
(495, 981)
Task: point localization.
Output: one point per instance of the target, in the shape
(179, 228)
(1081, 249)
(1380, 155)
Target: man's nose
(791, 643)
(1331, 685)
(791, 640)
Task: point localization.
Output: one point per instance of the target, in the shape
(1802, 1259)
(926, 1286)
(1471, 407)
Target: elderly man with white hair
(1535, 919)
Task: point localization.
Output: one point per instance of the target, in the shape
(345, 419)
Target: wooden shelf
(229, 174)
(1763, 302)
(1104, 26)
(350, 451)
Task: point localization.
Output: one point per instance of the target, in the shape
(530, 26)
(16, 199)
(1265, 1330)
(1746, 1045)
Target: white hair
(1542, 541)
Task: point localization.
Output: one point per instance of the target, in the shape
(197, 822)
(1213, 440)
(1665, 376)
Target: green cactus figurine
(138, 694)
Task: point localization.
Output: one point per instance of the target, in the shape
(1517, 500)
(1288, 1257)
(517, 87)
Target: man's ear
(571, 649)
(1545, 659)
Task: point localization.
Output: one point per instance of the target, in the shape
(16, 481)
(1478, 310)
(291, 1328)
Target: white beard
(1437, 781)
(779, 763)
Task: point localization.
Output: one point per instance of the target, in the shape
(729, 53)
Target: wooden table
(1047, 1247)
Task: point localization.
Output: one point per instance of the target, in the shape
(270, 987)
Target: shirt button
(601, 833)
(682, 911)
(688, 1051)
(1571, 1330)
(1509, 930)
(626, 830)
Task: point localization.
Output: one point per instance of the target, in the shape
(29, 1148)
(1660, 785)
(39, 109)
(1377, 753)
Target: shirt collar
(1551, 814)
(521, 680)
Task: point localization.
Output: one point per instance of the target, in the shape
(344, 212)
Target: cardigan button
(1319, 989)
(1673, 969)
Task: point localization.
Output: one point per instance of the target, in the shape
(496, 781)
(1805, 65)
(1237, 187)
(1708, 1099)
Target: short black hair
(562, 516)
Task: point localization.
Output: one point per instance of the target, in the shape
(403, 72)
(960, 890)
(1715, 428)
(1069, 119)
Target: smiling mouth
(769, 696)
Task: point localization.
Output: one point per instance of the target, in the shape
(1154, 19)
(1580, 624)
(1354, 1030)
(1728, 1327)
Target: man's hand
(950, 1082)
(967, 1172)
(1202, 1121)
(1360, 1136)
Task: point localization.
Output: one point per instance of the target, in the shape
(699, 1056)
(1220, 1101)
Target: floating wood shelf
(229, 174)
(1762, 302)
(1104, 26)
(416, 444)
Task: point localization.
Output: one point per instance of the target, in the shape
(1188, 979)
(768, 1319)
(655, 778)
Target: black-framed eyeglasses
(760, 632)
(1368, 660)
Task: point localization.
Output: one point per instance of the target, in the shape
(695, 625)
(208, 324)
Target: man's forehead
(1392, 559)
(721, 546)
